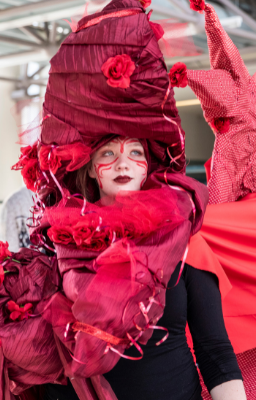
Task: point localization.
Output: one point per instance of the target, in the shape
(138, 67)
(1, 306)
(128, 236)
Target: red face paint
(123, 142)
(144, 165)
(99, 168)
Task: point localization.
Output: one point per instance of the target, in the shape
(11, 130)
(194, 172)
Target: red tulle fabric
(177, 40)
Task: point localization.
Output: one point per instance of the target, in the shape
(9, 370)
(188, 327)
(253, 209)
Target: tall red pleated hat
(108, 78)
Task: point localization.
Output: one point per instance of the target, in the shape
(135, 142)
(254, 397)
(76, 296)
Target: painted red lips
(122, 179)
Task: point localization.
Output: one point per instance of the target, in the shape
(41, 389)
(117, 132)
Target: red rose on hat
(145, 3)
(221, 125)
(178, 75)
(18, 312)
(197, 5)
(27, 153)
(4, 252)
(30, 174)
(49, 159)
(118, 71)
(61, 235)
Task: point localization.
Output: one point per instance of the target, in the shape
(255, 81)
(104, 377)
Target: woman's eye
(108, 153)
(136, 153)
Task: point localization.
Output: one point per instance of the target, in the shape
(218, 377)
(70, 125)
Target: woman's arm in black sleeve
(214, 353)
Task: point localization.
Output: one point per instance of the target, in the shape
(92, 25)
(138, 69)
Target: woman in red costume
(115, 213)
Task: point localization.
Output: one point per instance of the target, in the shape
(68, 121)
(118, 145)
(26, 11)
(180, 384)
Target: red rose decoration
(178, 75)
(27, 153)
(4, 252)
(82, 234)
(1, 275)
(118, 71)
(30, 174)
(78, 154)
(18, 312)
(197, 5)
(48, 159)
(221, 125)
(102, 239)
(61, 235)
(145, 3)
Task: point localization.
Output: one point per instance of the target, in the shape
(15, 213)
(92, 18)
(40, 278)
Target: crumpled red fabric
(28, 345)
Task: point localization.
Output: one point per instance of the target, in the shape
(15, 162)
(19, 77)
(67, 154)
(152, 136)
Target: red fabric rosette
(178, 75)
(197, 5)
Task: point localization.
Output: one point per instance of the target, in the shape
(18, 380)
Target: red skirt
(226, 246)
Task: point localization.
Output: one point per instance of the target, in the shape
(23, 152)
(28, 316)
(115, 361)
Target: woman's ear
(91, 172)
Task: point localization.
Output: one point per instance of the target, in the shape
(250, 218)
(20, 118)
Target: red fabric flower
(30, 174)
(1, 274)
(18, 312)
(82, 234)
(76, 153)
(27, 153)
(48, 159)
(102, 239)
(118, 71)
(178, 75)
(98, 242)
(4, 252)
(197, 5)
(61, 235)
(145, 3)
(221, 125)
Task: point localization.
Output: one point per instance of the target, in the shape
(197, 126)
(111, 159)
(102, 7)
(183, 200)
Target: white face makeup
(119, 165)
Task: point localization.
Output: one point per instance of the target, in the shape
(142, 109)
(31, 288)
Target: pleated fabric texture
(81, 106)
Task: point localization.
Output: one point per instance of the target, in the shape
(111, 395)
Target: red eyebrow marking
(99, 168)
(123, 142)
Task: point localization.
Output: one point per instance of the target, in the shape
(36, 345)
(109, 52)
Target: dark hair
(86, 185)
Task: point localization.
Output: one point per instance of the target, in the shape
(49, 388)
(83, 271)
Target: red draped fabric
(226, 246)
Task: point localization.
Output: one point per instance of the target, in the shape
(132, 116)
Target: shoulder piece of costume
(115, 260)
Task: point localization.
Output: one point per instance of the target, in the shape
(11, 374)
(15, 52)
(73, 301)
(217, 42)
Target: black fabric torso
(168, 372)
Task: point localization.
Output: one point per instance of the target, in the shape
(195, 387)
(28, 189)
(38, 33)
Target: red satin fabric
(226, 246)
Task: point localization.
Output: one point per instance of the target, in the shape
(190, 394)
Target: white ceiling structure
(32, 31)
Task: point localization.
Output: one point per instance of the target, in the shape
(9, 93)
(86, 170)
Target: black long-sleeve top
(168, 372)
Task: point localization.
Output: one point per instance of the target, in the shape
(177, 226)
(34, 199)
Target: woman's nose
(122, 163)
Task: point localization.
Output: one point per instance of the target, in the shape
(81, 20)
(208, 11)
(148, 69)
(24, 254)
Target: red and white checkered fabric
(228, 91)
(247, 364)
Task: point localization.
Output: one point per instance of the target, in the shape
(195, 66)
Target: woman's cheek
(142, 168)
(101, 170)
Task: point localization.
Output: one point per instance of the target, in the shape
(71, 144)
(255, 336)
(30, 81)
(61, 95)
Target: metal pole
(247, 19)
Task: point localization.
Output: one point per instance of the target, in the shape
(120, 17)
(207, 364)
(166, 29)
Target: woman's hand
(232, 390)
